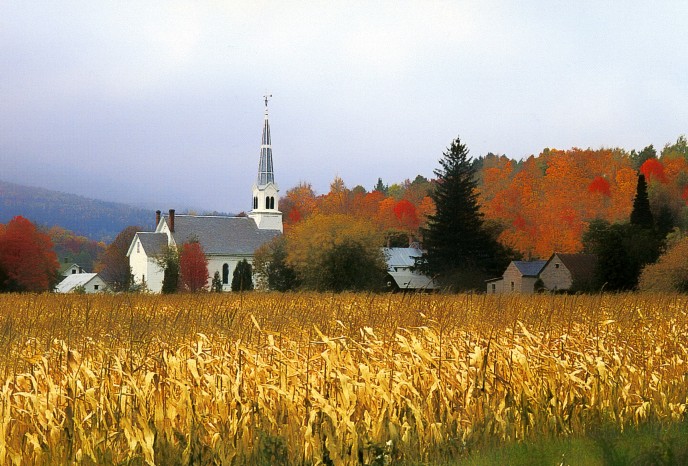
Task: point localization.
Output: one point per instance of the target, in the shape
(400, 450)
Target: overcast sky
(160, 103)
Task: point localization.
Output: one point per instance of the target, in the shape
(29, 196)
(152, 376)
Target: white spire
(265, 192)
(265, 171)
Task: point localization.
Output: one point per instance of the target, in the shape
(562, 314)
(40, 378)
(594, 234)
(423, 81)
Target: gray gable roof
(402, 257)
(221, 235)
(530, 268)
(153, 243)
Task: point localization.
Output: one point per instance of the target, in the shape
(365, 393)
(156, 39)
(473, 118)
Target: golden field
(327, 379)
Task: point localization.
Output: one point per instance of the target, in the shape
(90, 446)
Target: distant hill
(98, 220)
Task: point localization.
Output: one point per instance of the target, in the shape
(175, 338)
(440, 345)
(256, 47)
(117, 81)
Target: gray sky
(160, 103)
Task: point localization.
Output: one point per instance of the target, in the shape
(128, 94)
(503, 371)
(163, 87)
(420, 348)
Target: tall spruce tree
(460, 251)
(641, 214)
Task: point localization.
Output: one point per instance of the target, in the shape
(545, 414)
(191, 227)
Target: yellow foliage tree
(670, 272)
(336, 252)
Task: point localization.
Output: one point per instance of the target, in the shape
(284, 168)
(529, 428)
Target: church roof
(153, 243)
(221, 235)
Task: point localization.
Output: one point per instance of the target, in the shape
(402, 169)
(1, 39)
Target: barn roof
(402, 257)
(221, 235)
(74, 280)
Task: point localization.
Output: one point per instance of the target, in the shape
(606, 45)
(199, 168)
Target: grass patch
(649, 444)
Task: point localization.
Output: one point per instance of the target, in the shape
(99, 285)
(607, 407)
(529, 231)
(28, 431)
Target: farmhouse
(519, 277)
(566, 271)
(561, 272)
(225, 240)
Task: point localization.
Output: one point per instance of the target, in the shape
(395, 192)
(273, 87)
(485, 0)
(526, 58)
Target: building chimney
(157, 218)
(171, 221)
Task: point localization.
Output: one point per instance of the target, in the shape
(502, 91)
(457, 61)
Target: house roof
(580, 265)
(402, 257)
(153, 243)
(74, 280)
(66, 268)
(221, 235)
(530, 268)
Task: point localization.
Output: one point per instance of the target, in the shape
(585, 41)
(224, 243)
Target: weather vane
(267, 97)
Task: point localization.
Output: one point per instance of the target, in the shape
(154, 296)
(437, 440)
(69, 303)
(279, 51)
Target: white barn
(225, 240)
(88, 282)
(401, 273)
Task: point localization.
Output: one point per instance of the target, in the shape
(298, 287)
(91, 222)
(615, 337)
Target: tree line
(627, 208)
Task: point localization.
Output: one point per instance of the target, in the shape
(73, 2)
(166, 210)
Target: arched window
(225, 274)
(267, 202)
(272, 202)
(255, 202)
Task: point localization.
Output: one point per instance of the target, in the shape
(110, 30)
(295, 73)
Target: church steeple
(265, 192)
(265, 171)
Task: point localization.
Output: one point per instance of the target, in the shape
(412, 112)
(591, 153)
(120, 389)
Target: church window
(272, 202)
(255, 202)
(225, 274)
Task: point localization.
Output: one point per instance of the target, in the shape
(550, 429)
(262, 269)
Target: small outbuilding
(88, 282)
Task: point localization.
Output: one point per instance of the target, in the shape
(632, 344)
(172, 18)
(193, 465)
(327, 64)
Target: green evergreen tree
(242, 278)
(381, 187)
(638, 158)
(216, 285)
(641, 214)
(622, 251)
(169, 262)
(460, 251)
(270, 264)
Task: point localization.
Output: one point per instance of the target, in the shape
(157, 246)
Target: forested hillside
(97, 220)
(536, 206)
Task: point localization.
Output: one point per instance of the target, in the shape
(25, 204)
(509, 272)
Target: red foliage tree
(599, 185)
(653, 169)
(684, 195)
(406, 216)
(27, 259)
(193, 267)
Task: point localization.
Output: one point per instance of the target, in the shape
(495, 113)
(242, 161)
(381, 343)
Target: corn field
(327, 379)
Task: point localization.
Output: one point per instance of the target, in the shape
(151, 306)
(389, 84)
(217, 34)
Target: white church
(225, 240)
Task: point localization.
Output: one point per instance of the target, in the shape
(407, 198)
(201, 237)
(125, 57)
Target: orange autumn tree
(545, 204)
